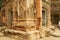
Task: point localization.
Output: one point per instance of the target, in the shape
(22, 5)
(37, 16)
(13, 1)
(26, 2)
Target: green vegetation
(0, 3)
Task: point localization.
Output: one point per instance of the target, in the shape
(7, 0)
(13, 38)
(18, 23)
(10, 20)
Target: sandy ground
(57, 32)
(6, 38)
(50, 38)
(45, 38)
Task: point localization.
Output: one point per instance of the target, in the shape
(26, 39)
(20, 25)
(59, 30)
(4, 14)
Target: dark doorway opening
(55, 19)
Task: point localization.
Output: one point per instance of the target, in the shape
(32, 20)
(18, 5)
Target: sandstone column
(38, 4)
(39, 17)
(32, 33)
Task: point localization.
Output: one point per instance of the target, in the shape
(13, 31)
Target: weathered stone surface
(21, 13)
(55, 33)
(33, 35)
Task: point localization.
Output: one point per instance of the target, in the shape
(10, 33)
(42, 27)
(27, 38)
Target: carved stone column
(33, 34)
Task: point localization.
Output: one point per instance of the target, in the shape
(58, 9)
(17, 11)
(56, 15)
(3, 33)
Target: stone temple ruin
(29, 19)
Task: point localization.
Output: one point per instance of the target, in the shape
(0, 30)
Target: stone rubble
(56, 33)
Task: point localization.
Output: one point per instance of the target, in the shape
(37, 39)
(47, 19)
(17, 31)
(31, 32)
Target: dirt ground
(57, 32)
(45, 38)
(50, 38)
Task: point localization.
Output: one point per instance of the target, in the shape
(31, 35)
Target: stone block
(33, 35)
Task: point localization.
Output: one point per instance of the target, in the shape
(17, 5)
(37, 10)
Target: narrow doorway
(44, 18)
(10, 18)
